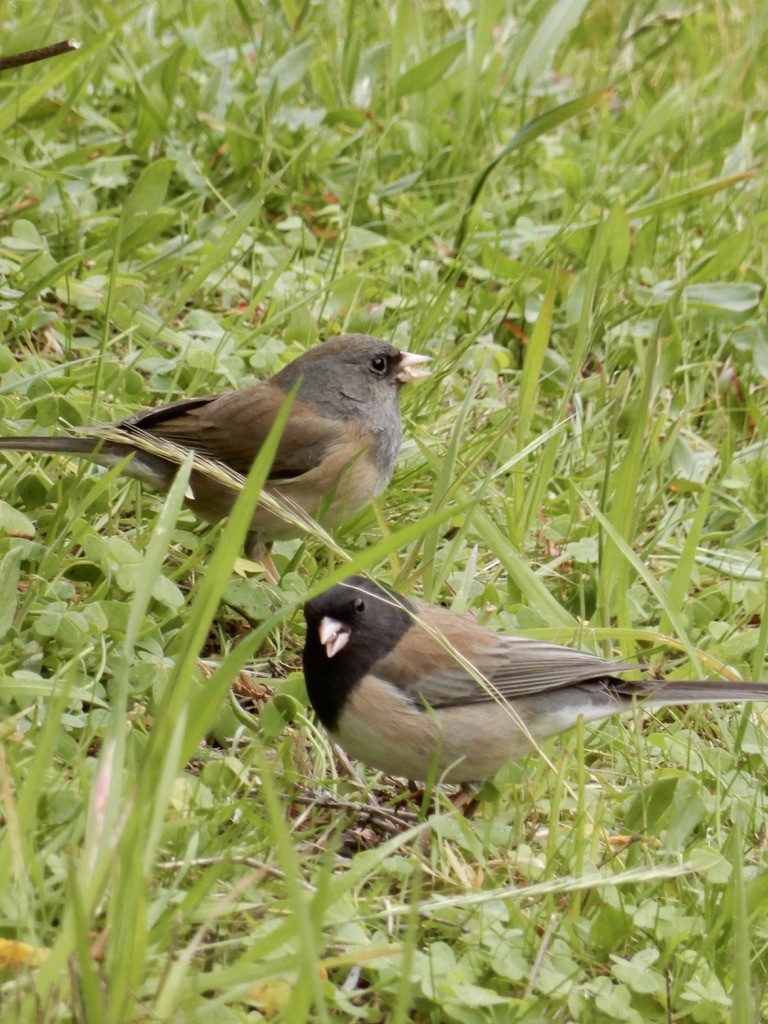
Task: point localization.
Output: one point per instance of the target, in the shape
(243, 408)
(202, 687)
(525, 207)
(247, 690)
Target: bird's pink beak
(407, 368)
(334, 635)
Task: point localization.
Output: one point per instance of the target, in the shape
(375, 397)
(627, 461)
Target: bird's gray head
(353, 369)
(357, 377)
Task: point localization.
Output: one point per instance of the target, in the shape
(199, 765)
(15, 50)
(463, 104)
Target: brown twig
(389, 820)
(18, 60)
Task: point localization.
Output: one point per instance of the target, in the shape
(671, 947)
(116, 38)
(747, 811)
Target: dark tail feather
(52, 445)
(151, 469)
(700, 691)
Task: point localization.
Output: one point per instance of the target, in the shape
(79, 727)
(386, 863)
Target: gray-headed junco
(337, 451)
(399, 684)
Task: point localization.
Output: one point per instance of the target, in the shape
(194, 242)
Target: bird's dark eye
(379, 364)
(359, 605)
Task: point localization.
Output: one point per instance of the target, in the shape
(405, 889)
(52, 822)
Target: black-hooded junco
(408, 687)
(337, 451)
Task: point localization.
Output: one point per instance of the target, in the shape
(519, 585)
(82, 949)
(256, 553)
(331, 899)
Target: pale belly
(382, 728)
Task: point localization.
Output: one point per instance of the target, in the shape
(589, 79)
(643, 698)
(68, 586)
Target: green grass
(564, 204)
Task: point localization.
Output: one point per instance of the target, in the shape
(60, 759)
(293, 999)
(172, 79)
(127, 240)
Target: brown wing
(232, 428)
(514, 666)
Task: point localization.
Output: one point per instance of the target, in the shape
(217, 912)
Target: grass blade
(536, 127)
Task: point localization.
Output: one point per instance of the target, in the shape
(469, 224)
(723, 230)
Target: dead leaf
(19, 954)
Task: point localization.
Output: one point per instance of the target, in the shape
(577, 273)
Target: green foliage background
(563, 203)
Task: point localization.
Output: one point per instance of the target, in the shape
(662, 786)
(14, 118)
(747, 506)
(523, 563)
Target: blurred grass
(188, 202)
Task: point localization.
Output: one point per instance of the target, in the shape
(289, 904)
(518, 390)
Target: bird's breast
(381, 727)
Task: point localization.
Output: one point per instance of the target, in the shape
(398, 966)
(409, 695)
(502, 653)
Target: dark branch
(17, 60)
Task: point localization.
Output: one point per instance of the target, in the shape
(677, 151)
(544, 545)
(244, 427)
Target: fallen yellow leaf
(21, 954)
(270, 997)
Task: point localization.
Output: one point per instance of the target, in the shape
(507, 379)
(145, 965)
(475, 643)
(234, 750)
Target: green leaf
(691, 467)
(291, 68)
(429, 72)
(688, 196)
(726, 259)
(637, 974)
(715, 295)
(651, 806)
(25, 686)
(249, 598)
(560, 19)
(147, 196)
(617, 237)
(668, 110)
(534, 360)
(10, 574)
(13, 523)
(688, 811)
(361, 239)
(731, 298)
